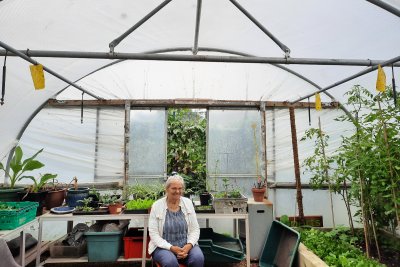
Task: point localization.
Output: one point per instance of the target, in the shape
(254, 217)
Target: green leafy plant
(39, 184)
(108, 199)
(19, 166)
(86, 202)
(144, 191)
(139, 204)
(186, 151)
(229, 191)
(336, 248)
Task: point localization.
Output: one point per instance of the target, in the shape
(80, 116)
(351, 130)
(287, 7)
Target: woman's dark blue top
(175, 228)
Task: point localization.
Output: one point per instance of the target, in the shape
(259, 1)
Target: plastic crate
(103, 246)
(25, 212)
(133, 243)
(220, 248)
(280, 247)
(59, 250)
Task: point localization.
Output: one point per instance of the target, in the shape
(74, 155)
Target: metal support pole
(196, 33)
(203, 58)
(283, 47)
(27, 58)
(127, 140)
(386, 6)
(368, 70)
(116, 41)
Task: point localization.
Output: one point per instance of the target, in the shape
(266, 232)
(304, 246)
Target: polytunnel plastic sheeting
(163, 80)
(314, 203)
(280, 165)
(309, 28)
(92, 151)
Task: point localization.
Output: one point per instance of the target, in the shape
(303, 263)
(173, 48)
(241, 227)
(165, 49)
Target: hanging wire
(3, 84)
(309, 112)
(82, 108)
(394, 88)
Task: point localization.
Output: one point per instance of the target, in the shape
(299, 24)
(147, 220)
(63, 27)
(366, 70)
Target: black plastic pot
(39, 197)
(205, 199)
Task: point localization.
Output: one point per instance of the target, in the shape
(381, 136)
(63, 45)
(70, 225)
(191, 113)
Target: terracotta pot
(258, 194)
(55, 198)
(115, 208)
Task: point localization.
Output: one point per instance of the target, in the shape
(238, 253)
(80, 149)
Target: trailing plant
(19, 166)
(186, 151)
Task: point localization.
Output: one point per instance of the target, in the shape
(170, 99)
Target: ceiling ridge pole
(116, 41)
(29, 59)
(202, 58)
(363, 72)
(196, 33)
(282, 46)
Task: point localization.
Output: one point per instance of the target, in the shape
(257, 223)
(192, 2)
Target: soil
(389, 256)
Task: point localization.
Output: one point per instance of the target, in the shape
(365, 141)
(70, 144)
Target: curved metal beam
(385, 6)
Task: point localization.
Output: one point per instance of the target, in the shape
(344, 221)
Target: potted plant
(55, 194)
(230, 200)
(260, 186)
(138, 206)
(259, 189)
(36, 191)
(113, 202)
(76, 193)
(17, 168)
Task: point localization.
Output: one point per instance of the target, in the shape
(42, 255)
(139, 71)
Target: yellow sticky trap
(318, 104)
(381, 80)
(37, 76)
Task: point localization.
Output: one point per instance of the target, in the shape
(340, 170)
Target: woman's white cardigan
(157, 220)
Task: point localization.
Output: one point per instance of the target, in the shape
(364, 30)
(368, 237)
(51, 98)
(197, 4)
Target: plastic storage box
(103, 246)
(59, 250)
(21, 213)
(281, 246)
(220, 248)
(133, 243)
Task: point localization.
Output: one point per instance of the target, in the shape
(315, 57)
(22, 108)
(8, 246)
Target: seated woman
(173, 228)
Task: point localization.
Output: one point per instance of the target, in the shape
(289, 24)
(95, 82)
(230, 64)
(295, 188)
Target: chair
(6, 257)
(156, 264)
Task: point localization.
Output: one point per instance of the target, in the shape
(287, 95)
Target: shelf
(84, 259)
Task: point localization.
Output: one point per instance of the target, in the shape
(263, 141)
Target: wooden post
(296, 163)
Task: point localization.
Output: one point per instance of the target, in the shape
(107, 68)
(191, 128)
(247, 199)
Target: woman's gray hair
(174, 178)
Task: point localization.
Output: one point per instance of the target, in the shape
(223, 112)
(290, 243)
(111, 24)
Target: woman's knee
(196, 257)
(165, 258)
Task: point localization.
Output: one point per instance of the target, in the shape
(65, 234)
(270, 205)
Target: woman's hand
(186, 248)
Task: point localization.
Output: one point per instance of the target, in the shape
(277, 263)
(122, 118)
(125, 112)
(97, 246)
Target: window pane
(147, 144)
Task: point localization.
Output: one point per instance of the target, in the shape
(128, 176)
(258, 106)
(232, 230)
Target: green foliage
(108, 199)
(187, 147)
(19, 166)
(336, 248)
(370, 158)
(139, 204)
(229, 191)
(144, 191)
(86, 202)
(38, 184)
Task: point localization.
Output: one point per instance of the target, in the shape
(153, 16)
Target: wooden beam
(187, 103)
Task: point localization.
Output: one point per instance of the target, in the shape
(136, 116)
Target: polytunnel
(113, 69)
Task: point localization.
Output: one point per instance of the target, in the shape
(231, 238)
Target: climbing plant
(186, 149)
